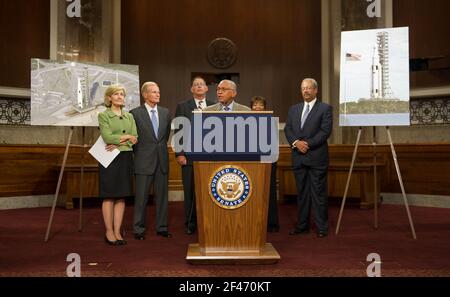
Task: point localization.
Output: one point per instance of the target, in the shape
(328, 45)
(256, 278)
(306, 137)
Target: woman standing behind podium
(258, 103)
(118, 130)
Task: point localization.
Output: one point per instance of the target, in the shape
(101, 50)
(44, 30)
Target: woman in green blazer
(118, 130)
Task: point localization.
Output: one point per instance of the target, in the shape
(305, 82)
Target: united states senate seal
(230, 187)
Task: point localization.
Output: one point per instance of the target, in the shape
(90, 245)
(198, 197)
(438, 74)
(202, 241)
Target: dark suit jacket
(151, 148)
(184, 109)
(315, 132)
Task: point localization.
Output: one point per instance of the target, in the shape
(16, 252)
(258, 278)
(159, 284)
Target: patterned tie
(200, 105)
(226, 108)
(305, 115)
(154, 122)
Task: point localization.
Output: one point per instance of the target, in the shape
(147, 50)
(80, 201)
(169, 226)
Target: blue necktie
(226, 108)
(305, 116)
(154, 122)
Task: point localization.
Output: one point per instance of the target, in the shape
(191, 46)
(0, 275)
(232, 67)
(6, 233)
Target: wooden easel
(61, 173)
(375, 194)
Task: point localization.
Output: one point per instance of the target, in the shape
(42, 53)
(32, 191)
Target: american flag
(353, 57)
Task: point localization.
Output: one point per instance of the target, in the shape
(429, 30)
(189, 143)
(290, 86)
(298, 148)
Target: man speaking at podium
(226, 92)
(307, 129)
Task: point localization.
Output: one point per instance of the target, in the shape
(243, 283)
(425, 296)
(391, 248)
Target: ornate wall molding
(431, 111)
(15, 111)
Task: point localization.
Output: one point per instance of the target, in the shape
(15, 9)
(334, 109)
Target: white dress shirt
(203, 103)
(229, 105)
(311, 105)
(149, 110)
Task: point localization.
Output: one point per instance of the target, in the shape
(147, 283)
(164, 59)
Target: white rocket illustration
(376, 79)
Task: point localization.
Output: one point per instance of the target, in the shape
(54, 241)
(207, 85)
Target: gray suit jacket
(218, 107)
(151, 148)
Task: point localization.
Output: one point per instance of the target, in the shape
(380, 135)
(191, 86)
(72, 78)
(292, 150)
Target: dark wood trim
(33, 169)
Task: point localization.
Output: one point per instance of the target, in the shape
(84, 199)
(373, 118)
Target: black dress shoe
(299, 231)
(115, 242)
(190, 230)
(121, 242)
(164, 234)
(273, 228)
(322, 234)
(139, 236)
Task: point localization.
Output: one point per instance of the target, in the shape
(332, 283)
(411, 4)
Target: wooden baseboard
(33, 169)
(268, 255)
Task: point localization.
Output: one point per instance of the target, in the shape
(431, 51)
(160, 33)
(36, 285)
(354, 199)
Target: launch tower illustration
(84, 100)
(380, 88)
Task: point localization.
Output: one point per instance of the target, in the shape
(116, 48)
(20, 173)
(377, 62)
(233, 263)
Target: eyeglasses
(223, 89)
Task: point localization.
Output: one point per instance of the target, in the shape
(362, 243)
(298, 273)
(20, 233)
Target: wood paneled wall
(425, 168)
(278, 43)
(34, 169)
(25, 32)
(429, 32)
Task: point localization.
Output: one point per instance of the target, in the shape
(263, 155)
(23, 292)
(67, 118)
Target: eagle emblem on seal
(230, 187)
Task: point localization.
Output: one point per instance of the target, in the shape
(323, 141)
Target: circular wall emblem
(222, 53)
(230, 187)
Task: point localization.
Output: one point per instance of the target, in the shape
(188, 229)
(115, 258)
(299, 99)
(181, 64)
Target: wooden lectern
(232, 231)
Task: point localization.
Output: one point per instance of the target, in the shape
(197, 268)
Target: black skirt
(116, 181)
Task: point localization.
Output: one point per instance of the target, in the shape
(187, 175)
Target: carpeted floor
(23, 251)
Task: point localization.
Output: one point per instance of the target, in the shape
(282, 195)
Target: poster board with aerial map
(72, 93)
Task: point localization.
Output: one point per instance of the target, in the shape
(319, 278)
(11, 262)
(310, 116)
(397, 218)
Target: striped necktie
(154, 122)
(305, 115)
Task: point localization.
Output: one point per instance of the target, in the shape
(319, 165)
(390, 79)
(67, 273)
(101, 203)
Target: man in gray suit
(151, 160)
(307, 129)
(226, 93)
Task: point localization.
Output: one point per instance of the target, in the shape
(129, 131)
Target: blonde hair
(147, 84)
(110, 91)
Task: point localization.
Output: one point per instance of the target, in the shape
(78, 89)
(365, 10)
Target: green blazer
(113, 126)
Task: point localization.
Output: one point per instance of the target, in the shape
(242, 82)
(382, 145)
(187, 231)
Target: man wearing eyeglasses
(307, 129)
(184, 109)
(226, 93)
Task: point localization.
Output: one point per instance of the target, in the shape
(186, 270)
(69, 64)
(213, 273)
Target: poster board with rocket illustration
(72, 94)
(374, 79)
